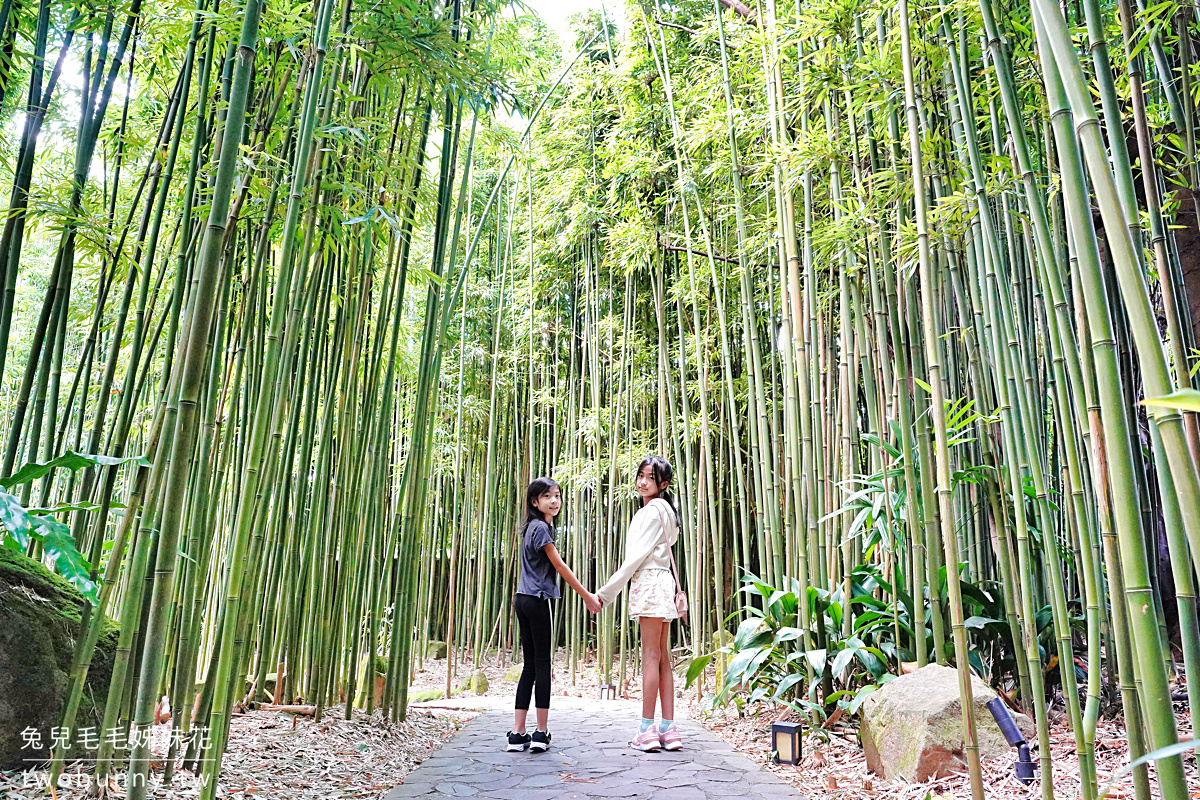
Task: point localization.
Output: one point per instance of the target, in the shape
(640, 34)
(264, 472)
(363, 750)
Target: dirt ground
(279, 754)
(834, 766)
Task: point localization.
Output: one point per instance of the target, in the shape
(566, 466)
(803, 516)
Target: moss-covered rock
(39, 626)
(477, 683)
(912, 727)
(435, 650)
(426, 695)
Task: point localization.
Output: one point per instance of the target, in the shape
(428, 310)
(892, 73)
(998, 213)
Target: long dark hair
(662, 474)
(537, 488)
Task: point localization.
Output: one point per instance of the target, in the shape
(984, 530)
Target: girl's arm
(644, 534)
(588, 598)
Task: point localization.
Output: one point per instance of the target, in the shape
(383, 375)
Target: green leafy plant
(767, 660)
(22, 525)
(765, 654)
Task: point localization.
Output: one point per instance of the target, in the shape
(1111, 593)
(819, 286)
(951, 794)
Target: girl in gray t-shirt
(536, 588)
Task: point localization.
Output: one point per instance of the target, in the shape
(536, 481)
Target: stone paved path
(589, 757)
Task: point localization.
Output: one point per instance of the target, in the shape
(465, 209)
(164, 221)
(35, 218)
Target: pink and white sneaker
(670, 738)
(647, 741)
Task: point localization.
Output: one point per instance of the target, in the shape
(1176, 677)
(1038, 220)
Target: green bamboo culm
(937, 403)
(192, 366)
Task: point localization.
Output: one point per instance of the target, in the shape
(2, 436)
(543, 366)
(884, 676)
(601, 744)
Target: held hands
(592, 602)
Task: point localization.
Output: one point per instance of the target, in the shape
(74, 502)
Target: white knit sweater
(645, 546)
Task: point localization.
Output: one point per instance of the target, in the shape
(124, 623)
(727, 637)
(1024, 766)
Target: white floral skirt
(652, 594)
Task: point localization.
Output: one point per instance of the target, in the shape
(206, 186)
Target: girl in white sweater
(649, 563)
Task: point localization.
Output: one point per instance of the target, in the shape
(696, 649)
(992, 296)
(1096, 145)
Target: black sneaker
(517, 742)
(541, 741)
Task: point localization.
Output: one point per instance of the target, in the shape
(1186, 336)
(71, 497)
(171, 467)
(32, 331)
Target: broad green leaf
(788, 635)
(838, 696)
(12, 543)
(871, 658)
(764, 590)
(756, 663)
(69, 562)
(862, 695)
(67, 508)
(842, 659)
(696, 667)
(868, 600)
(15, 520)
(68, 460)
(56, 540)
(786, 684)
(740, 662)
(746, 633)
(1183, 400)
(776, 596)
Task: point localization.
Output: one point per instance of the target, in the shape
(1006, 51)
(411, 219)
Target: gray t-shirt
(538, 576)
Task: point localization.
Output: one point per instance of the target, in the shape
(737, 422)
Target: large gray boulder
(912, 727)
(39, 625)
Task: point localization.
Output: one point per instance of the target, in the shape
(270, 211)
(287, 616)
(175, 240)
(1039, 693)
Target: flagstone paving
(589, 757)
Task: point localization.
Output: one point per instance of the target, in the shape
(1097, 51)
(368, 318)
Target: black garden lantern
(785, 741)
(608, 691)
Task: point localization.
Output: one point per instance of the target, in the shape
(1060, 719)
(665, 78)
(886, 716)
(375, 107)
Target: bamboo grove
(318, 288)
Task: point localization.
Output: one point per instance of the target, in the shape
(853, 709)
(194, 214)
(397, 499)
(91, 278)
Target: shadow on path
(589, 757)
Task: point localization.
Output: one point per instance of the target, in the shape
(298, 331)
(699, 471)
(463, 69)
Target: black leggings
(534, 616)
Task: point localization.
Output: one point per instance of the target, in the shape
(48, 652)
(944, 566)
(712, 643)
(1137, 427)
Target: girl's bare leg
(666, 677)
(522, 714)
(652, 658)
